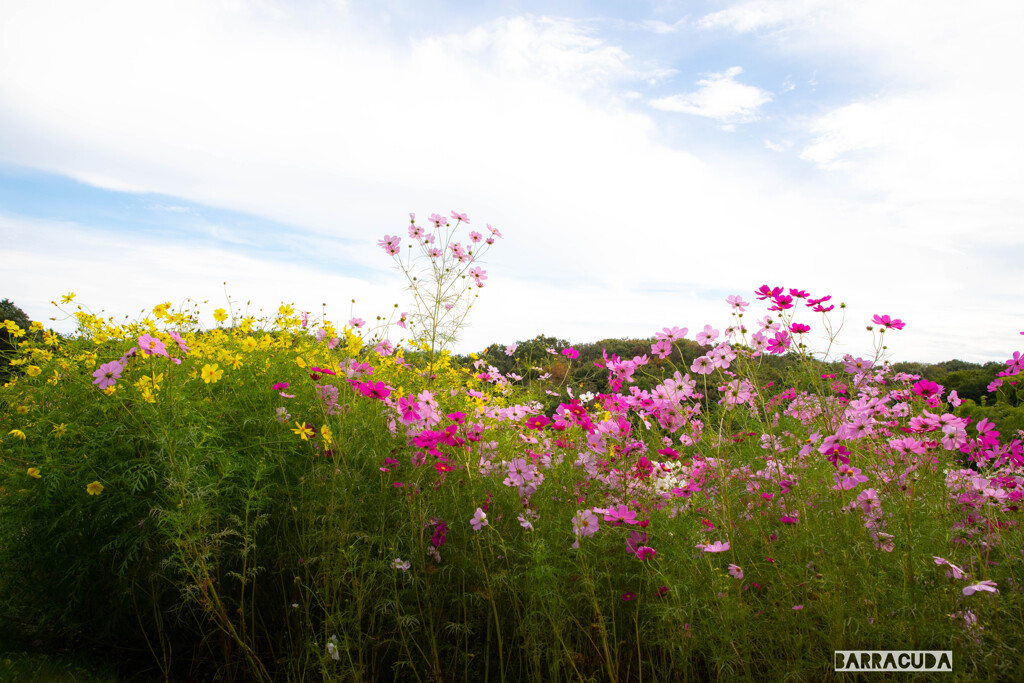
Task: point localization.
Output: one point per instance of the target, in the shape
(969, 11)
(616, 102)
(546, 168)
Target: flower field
(283, 498)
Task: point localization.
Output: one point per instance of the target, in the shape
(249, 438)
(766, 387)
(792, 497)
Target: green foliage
(250, 531)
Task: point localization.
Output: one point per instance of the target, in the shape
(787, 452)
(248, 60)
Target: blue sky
(643, 160)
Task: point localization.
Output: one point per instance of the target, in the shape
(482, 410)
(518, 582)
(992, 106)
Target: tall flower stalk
(441, 277)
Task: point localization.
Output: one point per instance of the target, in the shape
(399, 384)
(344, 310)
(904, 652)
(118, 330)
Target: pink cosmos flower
(585, 523)
(460, 217)
(626, 597)
(152, 346)
(800, 328)
(510, 349)
(954, 571)
(178, 340)
(475, 236)
(986, 585)
(735, 572)
(848, 477)
(779, 343)
(703, 366)
(478, 275)
(479, 519)
(662, 349)
(673, 334)
(737, 302)
(108, 374)
(716, 547)
(886, 322)
(707, 335)
(390, 244)
(494, 231)
(356, 322)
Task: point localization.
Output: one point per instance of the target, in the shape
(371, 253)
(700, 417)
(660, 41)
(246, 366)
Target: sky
(643, 161)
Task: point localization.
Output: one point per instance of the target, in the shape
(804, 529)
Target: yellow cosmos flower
(60, 430)
(160, 310)
(300, 362)
(249, 344)
(285, 309)
(212, 373)
(220, 315)
(303, 430)
(94, 489)
(22, 410)
(109, 391)
(17, 433)
(325, 432)
(67, 298)
(32, 371)
(236, 362)
(34, 472)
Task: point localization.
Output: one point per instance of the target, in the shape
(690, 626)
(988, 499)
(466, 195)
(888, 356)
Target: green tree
(8, 342)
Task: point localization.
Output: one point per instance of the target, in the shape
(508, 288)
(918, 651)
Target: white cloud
(760, 14)
(526, 123)
(720, 97)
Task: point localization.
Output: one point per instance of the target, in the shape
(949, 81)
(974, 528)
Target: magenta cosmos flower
(620, 513)
(886, 321)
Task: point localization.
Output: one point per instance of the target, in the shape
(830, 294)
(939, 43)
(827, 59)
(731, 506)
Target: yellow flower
(160, 310)
(22, 410)
(300, 362)
(220, 315)
(17, 433)
(34, 471)
(32, 371)
(249, 344)
(67, 298)
(325, 432)
(212, 373)
(236, 362)
(285, 309)
(94, 489)
(304, 431)
(109, 391)
(60, 430)
(246, 323)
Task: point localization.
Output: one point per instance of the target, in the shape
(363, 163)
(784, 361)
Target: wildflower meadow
(280, 497)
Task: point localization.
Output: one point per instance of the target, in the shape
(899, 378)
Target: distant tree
(8, 343)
